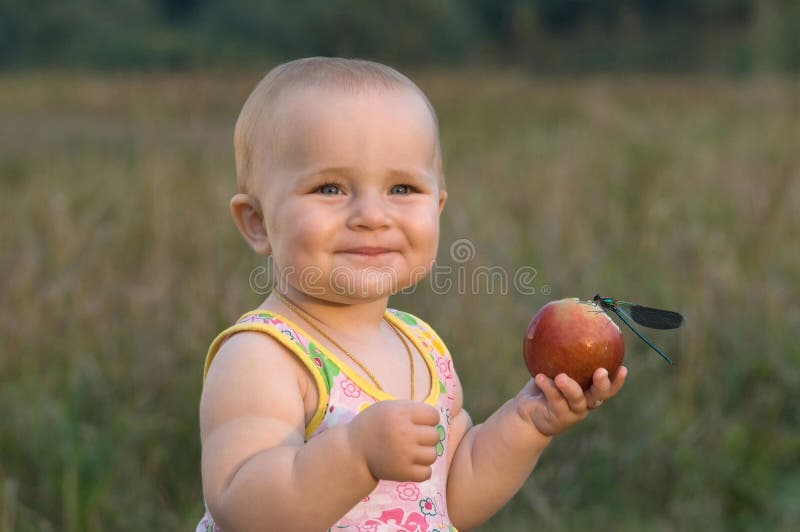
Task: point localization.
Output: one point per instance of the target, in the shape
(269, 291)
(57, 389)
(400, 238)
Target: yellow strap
(433, 396)
(274, 332)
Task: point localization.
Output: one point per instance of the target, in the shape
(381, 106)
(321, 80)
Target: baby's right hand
(397, 439)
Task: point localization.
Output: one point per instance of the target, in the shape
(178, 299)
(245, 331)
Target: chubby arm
(260, 474)
(492, 460)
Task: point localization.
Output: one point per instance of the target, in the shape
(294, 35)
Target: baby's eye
(329, 189)
(401, 189)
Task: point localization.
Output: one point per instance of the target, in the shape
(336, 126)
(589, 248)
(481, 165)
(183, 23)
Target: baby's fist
(397, 439)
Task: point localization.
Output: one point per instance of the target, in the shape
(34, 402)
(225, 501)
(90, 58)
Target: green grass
(119, 264)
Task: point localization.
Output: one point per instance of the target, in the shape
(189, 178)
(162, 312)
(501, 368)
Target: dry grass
(119, 264)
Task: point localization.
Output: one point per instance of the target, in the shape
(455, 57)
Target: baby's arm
(492, 460)
(259, 474)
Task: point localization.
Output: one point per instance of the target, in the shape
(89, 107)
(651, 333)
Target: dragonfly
(653, 318)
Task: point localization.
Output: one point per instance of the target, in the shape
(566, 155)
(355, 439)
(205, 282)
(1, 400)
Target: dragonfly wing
(622, 315)
(655, 318)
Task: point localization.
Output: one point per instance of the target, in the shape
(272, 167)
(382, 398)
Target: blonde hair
(328, 72)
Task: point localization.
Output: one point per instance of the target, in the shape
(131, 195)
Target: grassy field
(119, 264)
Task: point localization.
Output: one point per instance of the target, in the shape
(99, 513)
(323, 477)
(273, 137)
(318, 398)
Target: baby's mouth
(368, 251)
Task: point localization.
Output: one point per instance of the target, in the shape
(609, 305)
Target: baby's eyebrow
(346, 171)
(307, 175)
(412, 175)
(304, 177)
(326, 170)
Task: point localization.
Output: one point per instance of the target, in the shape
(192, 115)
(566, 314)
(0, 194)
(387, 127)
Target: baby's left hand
(554, 405)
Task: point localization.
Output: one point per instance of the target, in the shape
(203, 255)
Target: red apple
(573, 337)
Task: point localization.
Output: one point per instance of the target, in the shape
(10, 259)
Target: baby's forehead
(306, 112)
(322, 97)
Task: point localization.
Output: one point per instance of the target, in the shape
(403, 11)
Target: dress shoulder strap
(293, 338)
(424, 332)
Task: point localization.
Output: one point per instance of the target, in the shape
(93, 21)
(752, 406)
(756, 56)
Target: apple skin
(573, 337)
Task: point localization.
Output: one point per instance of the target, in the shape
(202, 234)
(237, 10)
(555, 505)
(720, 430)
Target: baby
(323, 409)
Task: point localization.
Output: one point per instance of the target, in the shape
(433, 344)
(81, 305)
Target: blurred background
(644, 149)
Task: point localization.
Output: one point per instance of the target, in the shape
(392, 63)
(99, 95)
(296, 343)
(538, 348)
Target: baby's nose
(369, 212)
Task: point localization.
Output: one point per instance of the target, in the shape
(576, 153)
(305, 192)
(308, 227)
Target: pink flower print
(445, 366)
(368, 508)
(427, 506)
(414, 522)
(317, 362)
(408, 491)
(350, 389)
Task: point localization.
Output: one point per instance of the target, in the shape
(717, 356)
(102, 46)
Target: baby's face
(352, 192)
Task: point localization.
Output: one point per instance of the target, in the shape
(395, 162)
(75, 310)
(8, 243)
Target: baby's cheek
(425, 226)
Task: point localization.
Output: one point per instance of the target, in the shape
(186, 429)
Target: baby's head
(339, 172)
(257, 138)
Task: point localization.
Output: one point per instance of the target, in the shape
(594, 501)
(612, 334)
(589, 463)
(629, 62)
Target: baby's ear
(247, 216)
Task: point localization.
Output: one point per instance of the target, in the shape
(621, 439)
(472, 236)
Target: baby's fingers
(572, 392)
(548, 388)
(618, 381)
(562, 393)
(603, 388)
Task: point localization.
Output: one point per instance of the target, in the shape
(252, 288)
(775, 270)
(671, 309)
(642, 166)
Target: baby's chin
(360, 292)
(349, 283)
(369, 288)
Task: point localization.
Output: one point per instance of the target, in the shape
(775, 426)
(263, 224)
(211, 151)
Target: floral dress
(343, 393)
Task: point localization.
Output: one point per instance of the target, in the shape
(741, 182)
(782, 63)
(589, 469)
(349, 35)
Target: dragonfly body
(646, 316)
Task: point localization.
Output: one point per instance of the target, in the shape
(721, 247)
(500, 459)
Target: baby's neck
(347, 320)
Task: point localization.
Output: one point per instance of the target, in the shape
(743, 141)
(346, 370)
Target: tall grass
(119, 264)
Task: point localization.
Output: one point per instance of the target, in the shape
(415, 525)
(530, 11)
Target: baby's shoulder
(253, 362)
(253, 352)
(260, 342)
(254, 382)
(259, 334)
